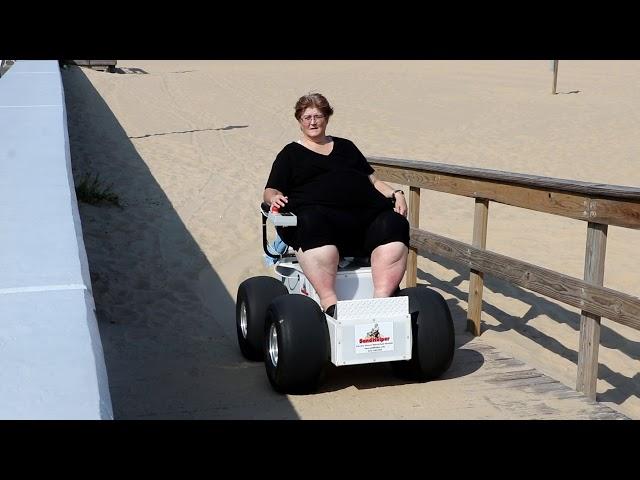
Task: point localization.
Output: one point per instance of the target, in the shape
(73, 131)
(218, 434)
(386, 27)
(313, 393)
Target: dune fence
(599, 205)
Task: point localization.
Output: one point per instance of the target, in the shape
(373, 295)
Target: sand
(188, 145)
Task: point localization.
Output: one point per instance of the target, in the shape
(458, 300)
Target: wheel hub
(243, 319)
(273, 344)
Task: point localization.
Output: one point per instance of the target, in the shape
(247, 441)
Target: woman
(342, 208)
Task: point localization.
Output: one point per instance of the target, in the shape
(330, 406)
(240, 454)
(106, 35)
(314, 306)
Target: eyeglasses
(307, 118)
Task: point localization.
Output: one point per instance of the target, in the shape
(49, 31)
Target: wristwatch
(393, 195)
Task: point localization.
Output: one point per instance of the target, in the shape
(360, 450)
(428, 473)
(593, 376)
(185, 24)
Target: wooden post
(555, 76)
(414, 221)
(476, 282)
(590, 323)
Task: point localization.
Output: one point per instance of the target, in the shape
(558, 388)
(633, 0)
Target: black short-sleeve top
(339, 179)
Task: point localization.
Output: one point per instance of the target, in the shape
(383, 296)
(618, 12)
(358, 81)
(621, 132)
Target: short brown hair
(316, 100)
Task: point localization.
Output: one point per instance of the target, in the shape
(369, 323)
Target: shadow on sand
(167, 324)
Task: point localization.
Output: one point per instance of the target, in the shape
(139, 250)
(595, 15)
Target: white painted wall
(51, 358)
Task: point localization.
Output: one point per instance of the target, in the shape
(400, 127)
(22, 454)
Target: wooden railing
(597, 204)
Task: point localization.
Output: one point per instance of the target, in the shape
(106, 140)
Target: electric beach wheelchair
(281, 323)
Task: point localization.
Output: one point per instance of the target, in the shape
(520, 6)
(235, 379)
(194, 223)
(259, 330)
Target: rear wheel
(433, 336)
(254, 296)
(297, 347)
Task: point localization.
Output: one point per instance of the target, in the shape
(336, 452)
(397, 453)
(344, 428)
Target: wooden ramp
(482, 384)
(515, 390)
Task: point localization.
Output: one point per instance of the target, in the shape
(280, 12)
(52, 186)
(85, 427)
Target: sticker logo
(374, 337)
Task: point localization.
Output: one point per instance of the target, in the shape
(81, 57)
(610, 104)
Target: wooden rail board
(617, 306)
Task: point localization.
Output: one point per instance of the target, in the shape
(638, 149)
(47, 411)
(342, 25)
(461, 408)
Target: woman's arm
(273, 196)
(388, 191)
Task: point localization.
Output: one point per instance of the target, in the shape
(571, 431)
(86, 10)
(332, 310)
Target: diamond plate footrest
(372, 308)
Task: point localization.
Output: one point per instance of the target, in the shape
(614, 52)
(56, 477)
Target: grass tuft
(90, 190)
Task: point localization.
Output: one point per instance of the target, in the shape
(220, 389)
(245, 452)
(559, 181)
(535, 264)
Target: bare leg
(320, 266)
(388, 264)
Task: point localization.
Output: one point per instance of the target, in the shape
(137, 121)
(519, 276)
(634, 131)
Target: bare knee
(325, 257)
(389, 254)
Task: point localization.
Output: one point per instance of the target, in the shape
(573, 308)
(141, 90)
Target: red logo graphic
(373, 335)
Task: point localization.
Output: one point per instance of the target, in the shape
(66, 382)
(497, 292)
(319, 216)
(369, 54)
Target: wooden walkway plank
(519, 391)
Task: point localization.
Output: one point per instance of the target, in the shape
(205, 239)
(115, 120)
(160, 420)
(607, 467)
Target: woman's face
(313, 123)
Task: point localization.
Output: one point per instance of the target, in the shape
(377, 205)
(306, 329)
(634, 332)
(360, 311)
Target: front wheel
(433, 336)
(297, 346)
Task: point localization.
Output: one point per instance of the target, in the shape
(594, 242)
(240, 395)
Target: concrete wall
(51, 359)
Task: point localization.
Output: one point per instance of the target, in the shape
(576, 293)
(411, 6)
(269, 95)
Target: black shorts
(356, 232)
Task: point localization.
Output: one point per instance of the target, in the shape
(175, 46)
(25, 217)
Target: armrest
(284, 219)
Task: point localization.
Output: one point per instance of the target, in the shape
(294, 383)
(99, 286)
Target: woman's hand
(401, 204)
(278, 200)
(387, 191)
(274, 198)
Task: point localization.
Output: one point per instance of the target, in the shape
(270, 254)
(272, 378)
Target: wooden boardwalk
(516, 390)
